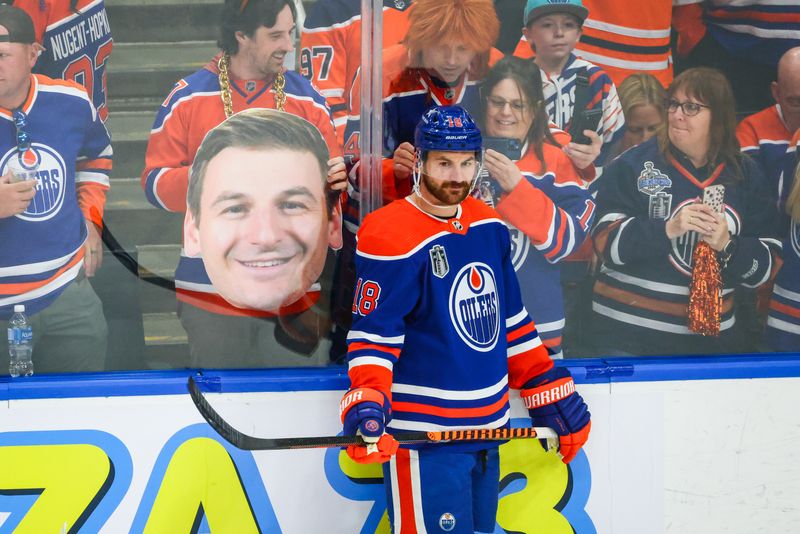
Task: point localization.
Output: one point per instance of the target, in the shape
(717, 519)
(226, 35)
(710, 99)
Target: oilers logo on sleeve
(473, 306)
(50, 171)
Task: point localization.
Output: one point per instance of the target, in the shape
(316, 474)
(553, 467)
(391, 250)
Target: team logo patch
(457, 225)
(439, 263)
(250, 86)
(51, 175)
(474, 306)
(447, 522)
(651, 181)
(449, 93)
(400, 4)
(660, 205)
(371, 425)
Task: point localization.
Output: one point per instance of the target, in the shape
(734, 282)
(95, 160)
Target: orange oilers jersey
(330, 46)
(623, 38)
(77, 44)
(764, 137)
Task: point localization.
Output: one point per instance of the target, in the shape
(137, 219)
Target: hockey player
(50, 128)
(439, 336)
(552, 30)
(330, 48)
(82, 60)
(256, 35)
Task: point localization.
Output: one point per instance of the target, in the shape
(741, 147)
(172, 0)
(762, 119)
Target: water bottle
(20, 343)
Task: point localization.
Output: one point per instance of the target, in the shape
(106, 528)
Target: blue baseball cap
(539, 8)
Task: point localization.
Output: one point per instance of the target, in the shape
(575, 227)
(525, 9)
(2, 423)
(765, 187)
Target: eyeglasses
(500, 103)
(23, 138)
(690, 109)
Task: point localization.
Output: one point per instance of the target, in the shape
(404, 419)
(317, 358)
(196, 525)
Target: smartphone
(714, 197)
(588, 119)
(511, 148)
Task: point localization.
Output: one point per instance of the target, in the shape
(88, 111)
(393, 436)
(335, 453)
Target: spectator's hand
(719, 235)
(404, 161)
(14, 198)
(92, 250)
(502, 169)
(337, 174)
(695, 217)
(584, 155)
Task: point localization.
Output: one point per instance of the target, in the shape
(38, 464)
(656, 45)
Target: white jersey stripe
(370, 360)
(652, 323)
(528, 345)
(624, 30)
(40, 267)
(511, 322)
(402, 424)
(65, 278)
(357, 334)
(450, 394)
(785, 293)
(780, 324)
(416, 491)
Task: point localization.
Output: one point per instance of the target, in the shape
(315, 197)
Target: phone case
(714, 197)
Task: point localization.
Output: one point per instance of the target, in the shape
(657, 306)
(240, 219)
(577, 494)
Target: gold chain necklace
(225, 87)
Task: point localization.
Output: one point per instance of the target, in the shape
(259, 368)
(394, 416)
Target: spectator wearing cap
(552, 30)
(84, 60)
(53, 138)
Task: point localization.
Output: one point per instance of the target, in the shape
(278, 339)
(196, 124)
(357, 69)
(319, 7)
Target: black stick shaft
(251, 443)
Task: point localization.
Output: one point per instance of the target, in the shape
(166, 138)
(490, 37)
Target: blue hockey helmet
(447, 128)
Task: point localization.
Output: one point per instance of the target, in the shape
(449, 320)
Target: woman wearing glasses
(651, 216)
(537, 190)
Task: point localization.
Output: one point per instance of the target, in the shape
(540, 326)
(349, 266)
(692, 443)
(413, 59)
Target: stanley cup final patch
(651, 180)
(439, 261)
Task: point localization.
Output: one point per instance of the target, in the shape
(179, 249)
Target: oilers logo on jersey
(474, 306)
(50, 173)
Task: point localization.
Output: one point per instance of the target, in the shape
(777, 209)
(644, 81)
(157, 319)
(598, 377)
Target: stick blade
(213, 418)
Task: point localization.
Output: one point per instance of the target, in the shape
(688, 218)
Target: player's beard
(448, 193)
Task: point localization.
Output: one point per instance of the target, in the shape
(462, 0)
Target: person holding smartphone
(651, 216)
(536, 189)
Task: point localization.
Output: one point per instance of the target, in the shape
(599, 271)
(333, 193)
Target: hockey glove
(365, 412)
(552, 401)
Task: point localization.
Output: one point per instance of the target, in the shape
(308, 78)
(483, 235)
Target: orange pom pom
(705, 292)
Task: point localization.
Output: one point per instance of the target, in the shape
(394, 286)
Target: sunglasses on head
(23, 138)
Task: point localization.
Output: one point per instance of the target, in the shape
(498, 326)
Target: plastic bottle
(20, 343)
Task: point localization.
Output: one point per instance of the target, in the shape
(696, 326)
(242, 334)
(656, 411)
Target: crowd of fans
(608, 131)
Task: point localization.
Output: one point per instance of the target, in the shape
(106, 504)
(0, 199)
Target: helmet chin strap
(417, 175)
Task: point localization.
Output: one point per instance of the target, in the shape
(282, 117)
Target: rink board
(677, 445)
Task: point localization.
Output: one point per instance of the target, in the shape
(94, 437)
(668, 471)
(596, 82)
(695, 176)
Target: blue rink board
(586, 371)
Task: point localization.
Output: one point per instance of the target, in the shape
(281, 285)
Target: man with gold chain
(255, 37)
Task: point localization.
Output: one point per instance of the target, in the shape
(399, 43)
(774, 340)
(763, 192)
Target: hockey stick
(251, 443)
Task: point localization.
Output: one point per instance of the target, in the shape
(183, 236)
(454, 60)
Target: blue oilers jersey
(42, 247)
(438, 322)
(783, 321)
(642, 291)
